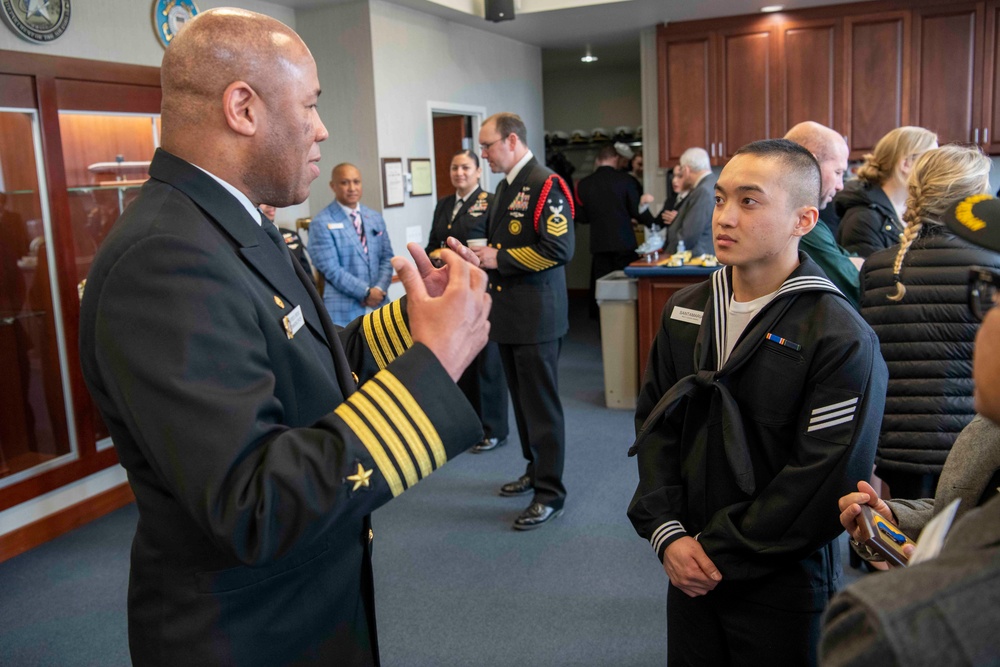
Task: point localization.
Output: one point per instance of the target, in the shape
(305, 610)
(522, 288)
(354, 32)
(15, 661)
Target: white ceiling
(611, 29)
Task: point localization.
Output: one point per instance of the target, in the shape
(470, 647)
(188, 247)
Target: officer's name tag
(334, 225)
(686, 315)
(293, 321)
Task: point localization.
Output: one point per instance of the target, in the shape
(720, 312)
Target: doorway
(453, 128)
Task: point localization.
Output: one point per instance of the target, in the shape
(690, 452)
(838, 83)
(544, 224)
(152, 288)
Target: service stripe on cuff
(373, 341)
(404, 331)
(402, 423)
(416, 413)
(387, 435)
(387, 321)
(347, 412)
(383, 341)
(531, 259)
(664, 532)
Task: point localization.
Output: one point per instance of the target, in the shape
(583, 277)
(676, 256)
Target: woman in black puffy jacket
(871, 207)
(914, 297)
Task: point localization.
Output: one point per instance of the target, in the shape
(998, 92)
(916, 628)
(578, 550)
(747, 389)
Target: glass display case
(76, 138)
(34, 433)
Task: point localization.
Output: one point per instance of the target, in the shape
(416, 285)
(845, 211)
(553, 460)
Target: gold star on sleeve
(362, 478)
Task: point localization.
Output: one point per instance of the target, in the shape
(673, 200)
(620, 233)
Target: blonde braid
(940, 178)
(906, 239)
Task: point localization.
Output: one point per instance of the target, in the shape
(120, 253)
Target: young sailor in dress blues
(737, 445)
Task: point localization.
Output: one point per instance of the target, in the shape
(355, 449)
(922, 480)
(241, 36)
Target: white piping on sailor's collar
(722, 294)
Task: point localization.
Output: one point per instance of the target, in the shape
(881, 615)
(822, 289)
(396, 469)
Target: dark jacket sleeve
(657, 508)
(554, 242)
(860, 231)
(194, 380)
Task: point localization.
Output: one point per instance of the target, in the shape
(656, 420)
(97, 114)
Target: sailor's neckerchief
(709, 348)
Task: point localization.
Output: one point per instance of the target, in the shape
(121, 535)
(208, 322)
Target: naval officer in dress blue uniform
(530, 239)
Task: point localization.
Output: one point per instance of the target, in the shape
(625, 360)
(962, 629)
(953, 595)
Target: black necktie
(276, 237)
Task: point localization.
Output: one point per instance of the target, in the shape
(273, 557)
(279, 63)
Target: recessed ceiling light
(588, 58)
(772, 8)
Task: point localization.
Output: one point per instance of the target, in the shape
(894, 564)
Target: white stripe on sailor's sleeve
(664, 532)
(821, 426)
(827, 408)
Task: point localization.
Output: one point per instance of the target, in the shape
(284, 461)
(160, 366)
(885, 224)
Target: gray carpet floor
(455, 585)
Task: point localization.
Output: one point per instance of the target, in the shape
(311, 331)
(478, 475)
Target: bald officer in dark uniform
(256, 457)
(530, 239)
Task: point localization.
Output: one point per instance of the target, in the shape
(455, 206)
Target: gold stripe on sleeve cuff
(531, 259)
(347, 412)
(373, 345)
(404, 331)
(387, 333)
(387, 321)
(398, 419)
(416, 413)
(388, 436)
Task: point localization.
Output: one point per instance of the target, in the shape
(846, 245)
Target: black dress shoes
(519, 487)
(488, 444)
(536, 515)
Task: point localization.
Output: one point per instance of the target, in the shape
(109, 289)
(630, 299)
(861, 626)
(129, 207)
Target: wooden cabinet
(862, 69)
(947, 56)
(991, 79)
(746, 73)
(715, 90)
(686, 98)
(876, 90)
(809, 74)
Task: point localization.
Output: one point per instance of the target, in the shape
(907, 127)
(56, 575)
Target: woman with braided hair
(914, 297)
(871, 207)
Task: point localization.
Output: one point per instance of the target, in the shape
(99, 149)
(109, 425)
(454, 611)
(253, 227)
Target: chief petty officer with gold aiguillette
(530, 235)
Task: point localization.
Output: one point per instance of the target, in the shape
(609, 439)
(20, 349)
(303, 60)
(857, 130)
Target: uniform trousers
(484, 384)
(740, 625)
(532, 377)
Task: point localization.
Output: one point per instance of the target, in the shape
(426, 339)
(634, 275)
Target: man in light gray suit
(692, 221)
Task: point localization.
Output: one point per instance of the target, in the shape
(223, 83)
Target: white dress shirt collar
(517, 167)
(240, 197)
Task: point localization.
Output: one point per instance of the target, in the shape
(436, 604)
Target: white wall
(420, 59)
(122, 30)
(340, 38)
(589, 96)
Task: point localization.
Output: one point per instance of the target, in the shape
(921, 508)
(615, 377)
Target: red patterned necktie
(356, 219)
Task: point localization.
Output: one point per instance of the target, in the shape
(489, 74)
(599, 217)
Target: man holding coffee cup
(529, 239)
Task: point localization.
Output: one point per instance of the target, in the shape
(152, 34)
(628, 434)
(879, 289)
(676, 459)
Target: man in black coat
(608, 201)
(255, 455)
(530, 239)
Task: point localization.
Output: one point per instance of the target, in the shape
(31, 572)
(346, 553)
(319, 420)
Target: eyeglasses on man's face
(485, 147)
(983, 284)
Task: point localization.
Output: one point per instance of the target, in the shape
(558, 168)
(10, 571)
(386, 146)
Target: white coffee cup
(476, 243)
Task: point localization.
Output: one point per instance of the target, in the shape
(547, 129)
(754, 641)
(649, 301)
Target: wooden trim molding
(18, 541)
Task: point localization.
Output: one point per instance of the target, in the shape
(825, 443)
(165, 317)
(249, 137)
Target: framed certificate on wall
(420, 175)
(393, 182)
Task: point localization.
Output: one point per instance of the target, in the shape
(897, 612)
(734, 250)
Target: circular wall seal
(169, 16)
(38, 21)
